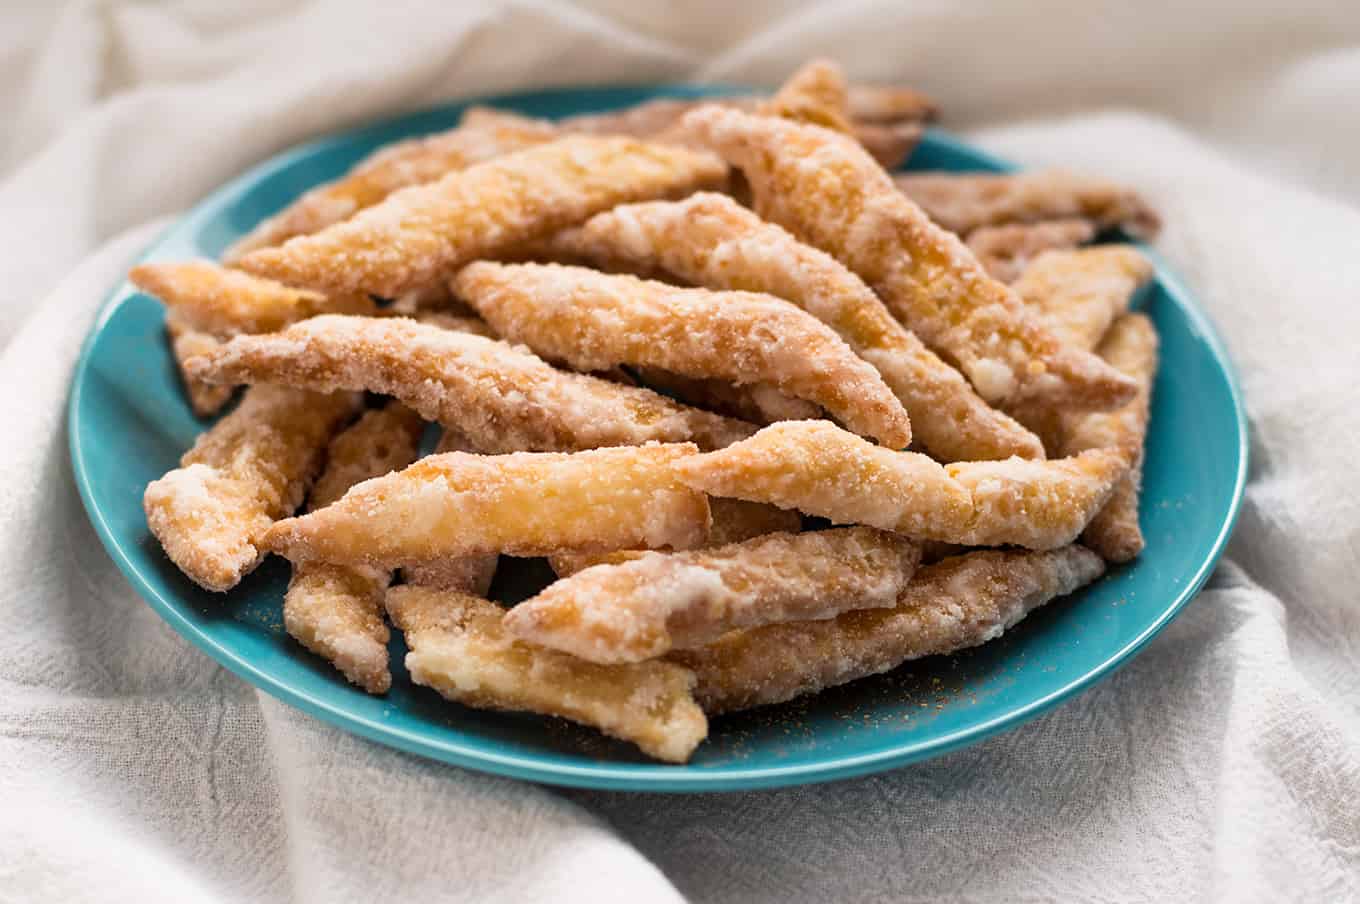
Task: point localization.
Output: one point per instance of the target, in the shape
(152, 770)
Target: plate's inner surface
(130, 423)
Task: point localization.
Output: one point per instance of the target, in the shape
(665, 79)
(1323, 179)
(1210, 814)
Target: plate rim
(625, 776)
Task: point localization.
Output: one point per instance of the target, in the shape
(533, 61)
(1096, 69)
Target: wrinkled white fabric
(1222, 764)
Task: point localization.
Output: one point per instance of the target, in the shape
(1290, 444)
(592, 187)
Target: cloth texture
(1221, 764)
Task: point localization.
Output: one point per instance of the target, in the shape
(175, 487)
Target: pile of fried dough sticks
(655, 340)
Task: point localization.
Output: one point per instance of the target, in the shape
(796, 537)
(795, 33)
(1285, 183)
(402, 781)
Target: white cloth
(1221, 764)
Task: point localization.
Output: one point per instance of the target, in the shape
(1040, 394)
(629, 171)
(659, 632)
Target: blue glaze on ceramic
(129, 422)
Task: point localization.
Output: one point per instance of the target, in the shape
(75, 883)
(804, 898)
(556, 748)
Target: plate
(129, 422)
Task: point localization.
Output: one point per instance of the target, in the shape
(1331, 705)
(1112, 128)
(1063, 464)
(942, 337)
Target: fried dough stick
(391, 167)
(460, 648)
(1005, 251)
(211, 513)
(333, 610)
(412, 236)
(826, 191)
(957, 603)
(1078, 294)
(595, 321)
(888, 140)
(890, 104)
(206, 399)
(733, 520)
(524, 504)
(962, 202)
(468, 574)
(710, 240)
(817, 468)
(1131, 346)
(501, 397)
(641, 609)
(224, 303)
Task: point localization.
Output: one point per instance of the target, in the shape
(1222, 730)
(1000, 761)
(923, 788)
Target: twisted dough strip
(595, 321)
(956, 603)
(642, 608)
(391, 167)
(817, 468)
(710, 240)
(459, 504)
(467, 574)
(501, 397)
(412, 236)
(1079, 293)
(962, 202)
(825, 190)
(211, 513)
(459, 646)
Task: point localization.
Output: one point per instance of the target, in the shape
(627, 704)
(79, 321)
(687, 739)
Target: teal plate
(129, 422)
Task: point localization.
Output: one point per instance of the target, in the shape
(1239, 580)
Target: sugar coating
(469, 574)
(502, 397)
(733, 520)
(459, 646)
(1005, 251)
(642, 608)
(333, 610)
(524, 504)
(1079, 293)
(595, 320)
(962, 202)
(1131, 346)
(710, 240)
(392, 167)
(824, 189)
(211, 513)
(817, 468)
(206, 399)
(817, 94)
(956, 603)
(223, 302)
(413, 235)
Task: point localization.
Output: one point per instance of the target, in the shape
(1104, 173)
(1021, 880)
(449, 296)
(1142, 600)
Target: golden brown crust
(733, 520)
(816, 94)
(1005, 251)
(643, 608)
(962, 202)
(594, 321)
(211, 513)
(1079, 293)
(459, 646)
(819, 469)
(1130, 345)
(500, 396)
(954, 604)
(824, 189)
(213, 299)
(391, 167)
(206, 399)
(710, 240)
(459, 504)
(412, 236)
